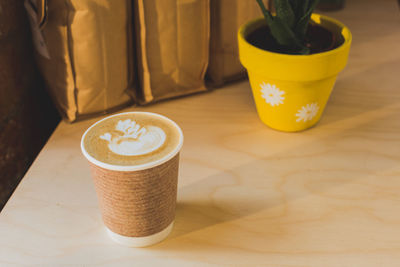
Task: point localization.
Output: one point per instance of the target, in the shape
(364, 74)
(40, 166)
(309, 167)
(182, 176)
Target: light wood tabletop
(247, 195)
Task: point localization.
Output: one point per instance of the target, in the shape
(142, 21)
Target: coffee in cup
(134, 159)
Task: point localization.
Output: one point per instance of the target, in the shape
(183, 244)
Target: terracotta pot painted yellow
(291, 91)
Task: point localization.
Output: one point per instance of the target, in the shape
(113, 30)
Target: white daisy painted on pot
(307, 112)
(272, 94)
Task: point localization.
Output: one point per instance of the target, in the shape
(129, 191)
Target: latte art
(130, 139)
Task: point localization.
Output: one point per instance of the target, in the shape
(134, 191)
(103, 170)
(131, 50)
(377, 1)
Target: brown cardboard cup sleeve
(140, 204)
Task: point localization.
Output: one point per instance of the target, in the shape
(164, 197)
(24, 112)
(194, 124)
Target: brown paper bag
(86, 58)
(173, 47)
(226, 18)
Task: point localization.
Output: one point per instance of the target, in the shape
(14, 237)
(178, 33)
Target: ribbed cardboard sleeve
(137, 203)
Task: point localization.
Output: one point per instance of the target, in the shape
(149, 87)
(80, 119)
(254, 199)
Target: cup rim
(139, 167)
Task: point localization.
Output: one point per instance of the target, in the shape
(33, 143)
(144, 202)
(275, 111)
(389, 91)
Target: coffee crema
(132, 139)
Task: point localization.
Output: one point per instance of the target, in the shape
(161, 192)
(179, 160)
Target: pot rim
(295, 67)
(317, 18)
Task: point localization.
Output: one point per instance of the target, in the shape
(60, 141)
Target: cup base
(141, 241)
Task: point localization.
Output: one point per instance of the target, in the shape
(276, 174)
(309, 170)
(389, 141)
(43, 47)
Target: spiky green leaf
(264, 10)
(305, 5)
(284, 35)
(289, 26)
(297, 8)
(284, 12)
(302, 24)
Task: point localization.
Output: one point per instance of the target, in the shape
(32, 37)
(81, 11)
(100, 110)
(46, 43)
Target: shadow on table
(204, 203)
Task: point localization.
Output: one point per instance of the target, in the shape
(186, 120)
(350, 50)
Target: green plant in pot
(292, 58)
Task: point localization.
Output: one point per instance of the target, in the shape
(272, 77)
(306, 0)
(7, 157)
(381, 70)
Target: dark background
(27, 116)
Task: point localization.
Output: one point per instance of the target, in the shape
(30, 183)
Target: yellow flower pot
(291, 91)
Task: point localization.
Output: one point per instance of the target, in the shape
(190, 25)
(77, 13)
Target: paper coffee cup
(134, 160)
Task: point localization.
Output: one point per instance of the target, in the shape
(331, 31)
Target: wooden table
(248, 195)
